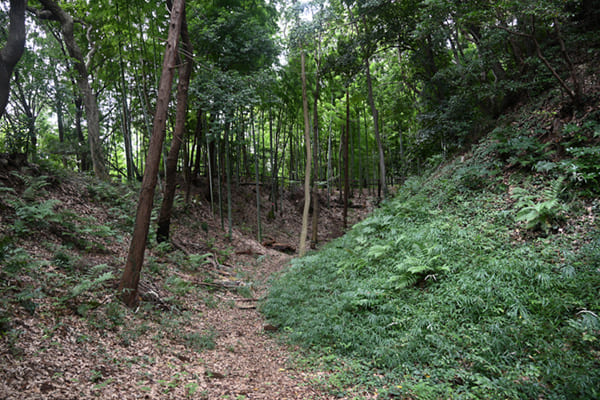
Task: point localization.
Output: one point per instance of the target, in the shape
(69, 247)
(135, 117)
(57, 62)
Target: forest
(360, 199)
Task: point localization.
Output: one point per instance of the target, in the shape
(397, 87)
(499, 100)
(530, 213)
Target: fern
(423, 264)
(38, 215)
(540, 215)
(91, 281)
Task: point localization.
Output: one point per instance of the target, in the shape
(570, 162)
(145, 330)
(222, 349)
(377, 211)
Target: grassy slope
(442, 293)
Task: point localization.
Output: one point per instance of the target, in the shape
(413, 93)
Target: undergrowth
(435, 297)
(57, 278)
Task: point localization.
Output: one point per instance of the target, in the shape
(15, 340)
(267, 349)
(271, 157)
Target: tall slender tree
(185, 72)
(304, 230)
(128, 287)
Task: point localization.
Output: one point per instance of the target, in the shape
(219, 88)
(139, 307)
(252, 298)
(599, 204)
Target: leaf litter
(197, 333)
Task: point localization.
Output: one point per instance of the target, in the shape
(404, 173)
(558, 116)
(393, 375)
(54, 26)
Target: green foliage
(178, 285)
(432, 298)
(540, 213)
(518, 148)
(34, 186)
(581, 161)
(200, 341)
(36, 216)
(92, 280)
(584, 168)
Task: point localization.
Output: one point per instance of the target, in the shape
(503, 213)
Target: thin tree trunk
(255, 142)
(304, 231)
(329, 169)
(219, 163)
(210, 157)
(228, 174)
(382, 175)
(128, 287)
(315, 190)
(83, 156)
(126, 124)
(346, 169)
(185, 72)
(368, 154)
(58, 103)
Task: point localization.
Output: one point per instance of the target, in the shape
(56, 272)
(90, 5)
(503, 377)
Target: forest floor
(197, 333)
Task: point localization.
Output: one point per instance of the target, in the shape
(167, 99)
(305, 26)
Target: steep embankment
(479, 280)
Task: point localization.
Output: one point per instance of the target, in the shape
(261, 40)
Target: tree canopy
(423, 79)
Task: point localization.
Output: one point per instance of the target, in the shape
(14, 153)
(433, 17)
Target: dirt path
(217, 348)
(247, 361)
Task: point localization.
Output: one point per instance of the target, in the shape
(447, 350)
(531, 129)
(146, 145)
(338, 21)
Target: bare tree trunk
(304, 231)
(58, 104)
(329, 169)
(346, 167)
(228, 173)
(382, 175)
(185, 72)
(89, 100)
(255, 144)
(315, 190)
(128, 287)
(13, 50)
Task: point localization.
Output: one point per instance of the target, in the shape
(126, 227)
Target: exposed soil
(197, 333)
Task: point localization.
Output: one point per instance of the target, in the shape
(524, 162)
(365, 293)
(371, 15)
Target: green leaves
(433, 296)
(540, 214)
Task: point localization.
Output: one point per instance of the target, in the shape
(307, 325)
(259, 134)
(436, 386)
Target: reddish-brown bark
(128, 287)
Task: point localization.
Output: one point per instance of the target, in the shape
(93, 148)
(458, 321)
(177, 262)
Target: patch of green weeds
(128, 335)
(540, 212)
(245, 291)
(195, 261)
(178, 285)
(154, 267)
(190, 389)
(200, 341)
(210, 301)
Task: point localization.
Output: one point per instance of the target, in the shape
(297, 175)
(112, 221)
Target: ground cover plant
(447, 292)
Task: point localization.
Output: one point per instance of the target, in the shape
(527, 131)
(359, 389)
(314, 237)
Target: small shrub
(540, 214)
(201, 341)
(178, 285)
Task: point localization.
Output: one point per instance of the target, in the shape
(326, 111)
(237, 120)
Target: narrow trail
(247, 361)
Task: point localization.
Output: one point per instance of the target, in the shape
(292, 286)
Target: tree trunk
(304, 231)
(13, 50)
(255, 144)
(315, 192)
(126, 123)
(89, 100)
(329, 154)
(185, 72)
(228, 174)
(58, 104)
(382, 176)
(346, 166)
(128, 287)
